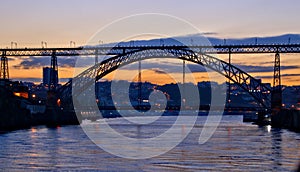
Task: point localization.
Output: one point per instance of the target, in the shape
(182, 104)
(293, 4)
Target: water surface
(235, 146)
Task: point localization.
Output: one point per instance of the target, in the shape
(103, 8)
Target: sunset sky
(60, 21)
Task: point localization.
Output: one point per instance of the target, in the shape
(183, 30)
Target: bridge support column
(229, 81)
(53, 72)
(140, 84)
(4, 74)
(276, 96)
(96, 56)
(183, 82)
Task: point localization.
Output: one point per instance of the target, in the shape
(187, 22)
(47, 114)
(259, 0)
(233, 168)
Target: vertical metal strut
(183, 72)
(4, 74)
(276, 98)
(229, 81)
(140, 83)
(183, 82)
(96, 56)
(53, 72)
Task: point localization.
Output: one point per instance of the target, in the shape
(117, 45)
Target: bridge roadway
(117, 50)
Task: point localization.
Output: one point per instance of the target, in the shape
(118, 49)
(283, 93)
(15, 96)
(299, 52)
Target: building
(46, 76)
(47, 71)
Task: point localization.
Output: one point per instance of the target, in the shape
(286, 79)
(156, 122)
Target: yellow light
(17, 94)
(33, 96)
(21, 94)
(58, 102)
(33, 130)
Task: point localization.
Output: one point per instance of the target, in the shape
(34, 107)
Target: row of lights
(258, 91)
(14, 45)
(72, 43)
(44, 44)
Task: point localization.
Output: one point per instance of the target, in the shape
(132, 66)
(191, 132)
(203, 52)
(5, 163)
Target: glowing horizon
(28, 23)
(288, 75)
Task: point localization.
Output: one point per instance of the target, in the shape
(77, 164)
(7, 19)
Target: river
(235, 146)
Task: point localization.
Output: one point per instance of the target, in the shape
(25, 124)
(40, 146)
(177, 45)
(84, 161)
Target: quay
(286, 118)
(18, 112)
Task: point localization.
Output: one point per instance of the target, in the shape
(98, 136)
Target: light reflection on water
(235, 146)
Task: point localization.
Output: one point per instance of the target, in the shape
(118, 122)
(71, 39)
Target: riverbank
(15, 113)
(289, 119)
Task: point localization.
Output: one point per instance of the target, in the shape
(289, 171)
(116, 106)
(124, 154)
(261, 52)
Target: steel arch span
(87, 78)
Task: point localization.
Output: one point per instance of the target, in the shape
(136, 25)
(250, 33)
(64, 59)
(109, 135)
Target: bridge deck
(109, 50)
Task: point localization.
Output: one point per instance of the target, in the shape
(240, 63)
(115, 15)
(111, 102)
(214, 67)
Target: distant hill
(282, 39)
(198, 39)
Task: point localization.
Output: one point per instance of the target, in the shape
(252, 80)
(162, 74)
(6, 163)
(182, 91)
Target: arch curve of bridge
(236, 75)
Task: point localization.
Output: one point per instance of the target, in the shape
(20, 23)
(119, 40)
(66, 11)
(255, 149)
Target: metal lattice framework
(84, 80)
(276, 98)
(4, 73)
(119, 50)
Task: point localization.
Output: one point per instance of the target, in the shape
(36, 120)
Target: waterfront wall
(289, 119)
(15, 115)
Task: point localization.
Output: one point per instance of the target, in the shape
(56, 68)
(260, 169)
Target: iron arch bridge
(84, 80)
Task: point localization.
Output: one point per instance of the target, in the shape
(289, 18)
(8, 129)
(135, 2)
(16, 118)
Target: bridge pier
(229, 81)
(51, 93)
(53, 72)
(276, 96)
(96, 56)
(4, 74)
(140, 83)
(282, 118)
(183, 82)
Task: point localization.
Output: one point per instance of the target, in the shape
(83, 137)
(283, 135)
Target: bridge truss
(123, 55)
(236, 75)
(118, 50)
